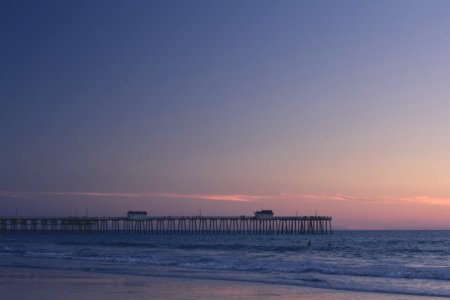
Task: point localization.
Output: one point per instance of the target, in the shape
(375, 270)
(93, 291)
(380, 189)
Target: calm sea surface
(405, 262)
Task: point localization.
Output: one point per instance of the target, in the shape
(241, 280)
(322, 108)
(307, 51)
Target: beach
(346, 265)
(27, 283)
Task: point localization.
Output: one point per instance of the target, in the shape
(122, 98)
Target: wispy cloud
(213, 197)
(330, 197)
(441, 201)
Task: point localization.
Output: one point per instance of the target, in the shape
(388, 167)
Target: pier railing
(169, 225)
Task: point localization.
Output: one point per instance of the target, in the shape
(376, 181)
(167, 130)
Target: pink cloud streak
(428, 200)
(213, 197)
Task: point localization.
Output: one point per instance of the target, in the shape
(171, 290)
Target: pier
(169, 225)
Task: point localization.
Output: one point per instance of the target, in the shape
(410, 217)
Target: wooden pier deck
(168, 225)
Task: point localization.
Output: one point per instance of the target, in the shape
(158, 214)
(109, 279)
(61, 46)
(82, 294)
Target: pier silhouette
(140, 223)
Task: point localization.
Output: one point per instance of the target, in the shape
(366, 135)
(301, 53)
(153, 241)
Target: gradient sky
(339, 107)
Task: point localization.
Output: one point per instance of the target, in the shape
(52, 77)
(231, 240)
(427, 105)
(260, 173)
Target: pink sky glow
(348, 211)
(422, 199)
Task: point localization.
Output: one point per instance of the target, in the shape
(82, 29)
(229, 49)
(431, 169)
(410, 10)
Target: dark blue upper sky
(224, 97)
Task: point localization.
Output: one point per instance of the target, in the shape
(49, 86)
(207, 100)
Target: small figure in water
(309, 243)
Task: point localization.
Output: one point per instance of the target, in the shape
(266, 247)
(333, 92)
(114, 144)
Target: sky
(338, 108)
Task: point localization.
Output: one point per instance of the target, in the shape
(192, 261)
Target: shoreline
(28, 283)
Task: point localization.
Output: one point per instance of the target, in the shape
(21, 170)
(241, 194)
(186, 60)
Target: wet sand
(39, 284)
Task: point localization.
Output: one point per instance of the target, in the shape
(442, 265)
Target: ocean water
(400, 262)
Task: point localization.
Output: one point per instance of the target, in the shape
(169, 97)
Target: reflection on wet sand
(22, 283)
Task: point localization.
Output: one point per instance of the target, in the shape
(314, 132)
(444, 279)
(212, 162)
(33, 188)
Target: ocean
(396, 262)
